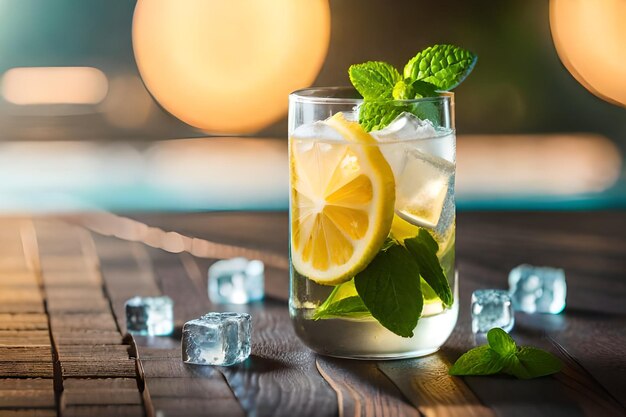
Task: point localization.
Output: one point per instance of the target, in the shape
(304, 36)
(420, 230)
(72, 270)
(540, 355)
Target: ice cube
(236, 281)
(536, 289)
(406, 126)
(317, 130)
(491, 308)
(150, 316)
(217, 339)
(422, 186)
(421, 135)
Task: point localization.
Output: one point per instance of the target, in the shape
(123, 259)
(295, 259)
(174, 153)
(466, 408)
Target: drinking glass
(336, 208)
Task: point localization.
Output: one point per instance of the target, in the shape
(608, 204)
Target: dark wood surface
(64, 348)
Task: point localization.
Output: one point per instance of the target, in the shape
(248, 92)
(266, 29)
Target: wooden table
(64, 349)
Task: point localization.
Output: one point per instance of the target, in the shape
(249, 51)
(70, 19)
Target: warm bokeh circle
(590, 38)
(228, 66)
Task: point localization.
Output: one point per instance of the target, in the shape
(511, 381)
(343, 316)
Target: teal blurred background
(111, 155)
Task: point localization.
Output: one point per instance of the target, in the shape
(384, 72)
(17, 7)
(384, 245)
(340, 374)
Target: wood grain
(362, 390)
(426, 383)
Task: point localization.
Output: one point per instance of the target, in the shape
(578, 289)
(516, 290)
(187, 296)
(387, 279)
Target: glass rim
(341, 95)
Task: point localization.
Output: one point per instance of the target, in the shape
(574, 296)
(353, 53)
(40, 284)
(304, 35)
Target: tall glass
(339, 212)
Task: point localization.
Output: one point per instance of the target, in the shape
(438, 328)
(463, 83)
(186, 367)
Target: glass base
(386, 357)
(368, 339)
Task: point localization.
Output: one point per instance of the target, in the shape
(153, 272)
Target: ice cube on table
(491, 308)
(236, 281)
(150, 316)
(536, 289)
(217, 339)
(421, 188)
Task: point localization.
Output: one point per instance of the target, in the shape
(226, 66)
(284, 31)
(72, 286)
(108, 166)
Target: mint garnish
(390, 288)
(437, 68)
(374, 115)
(444, 66)
(424, 250)
(374, 79)
(502, 355)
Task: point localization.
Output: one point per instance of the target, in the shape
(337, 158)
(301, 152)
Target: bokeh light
(228, 66)
(590, 38)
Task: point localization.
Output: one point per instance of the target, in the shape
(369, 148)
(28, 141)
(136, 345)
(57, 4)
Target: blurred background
(80, 128)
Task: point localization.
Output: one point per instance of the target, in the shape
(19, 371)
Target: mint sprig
(502, 355)
(436, 68)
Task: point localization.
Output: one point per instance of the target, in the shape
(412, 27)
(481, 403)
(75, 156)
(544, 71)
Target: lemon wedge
(342, 202)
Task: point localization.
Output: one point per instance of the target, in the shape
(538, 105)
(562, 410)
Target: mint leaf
(444, 66)
(501, 342)
(390, 289)
(423, 89)
(403, 90)
(529, 362)
(481, 360)
(424, 249)
(502, 355)
(374, 80)
(351, 306)
(374, 115)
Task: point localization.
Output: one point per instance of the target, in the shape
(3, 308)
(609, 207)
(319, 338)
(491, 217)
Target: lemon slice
(342, 199)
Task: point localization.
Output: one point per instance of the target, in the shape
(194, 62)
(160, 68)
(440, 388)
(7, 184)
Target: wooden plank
(74, 353)
(72, 278)
(193, 407)
(104, 411)
(25, 353)
(85, 321)
(102, 368)
(280, 363)
(189, 303)
(68, 263)
(28, 413)
(19, 294)
(87, 337)
(18, 278)
(362, 390)
(21, 307)
(426, 383)
(27, 384)
(62, 293)
(598, 346)
(27, 399)
(23, 321)
(79, 305)
(26, 369)
(24, 338)
(152, 353)
(175, 369)
(190, 388)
